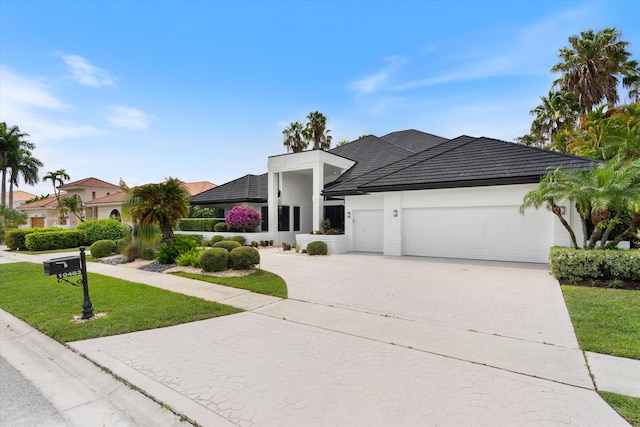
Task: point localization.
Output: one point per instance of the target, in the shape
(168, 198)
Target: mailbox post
(67, 267)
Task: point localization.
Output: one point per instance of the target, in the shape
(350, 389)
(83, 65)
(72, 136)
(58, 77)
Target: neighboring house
(101, 199)
(409, 193)
(20, 197)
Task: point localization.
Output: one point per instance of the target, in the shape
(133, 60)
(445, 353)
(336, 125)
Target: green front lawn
(261, 282)
(50, 306)
(606, 320)
(628, 407)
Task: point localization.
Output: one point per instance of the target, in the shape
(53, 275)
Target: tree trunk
(583, 222)
(3, 194)
(556, 210)
(635, 225)
(11, 194)
(612, 225)
(167, 233)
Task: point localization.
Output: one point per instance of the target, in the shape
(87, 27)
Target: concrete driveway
(372, 340)
(508, 299)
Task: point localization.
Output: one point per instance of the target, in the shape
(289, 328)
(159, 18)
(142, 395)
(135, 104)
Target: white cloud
(375, 82)
(28, 102)
(128, 117)
(84, 73)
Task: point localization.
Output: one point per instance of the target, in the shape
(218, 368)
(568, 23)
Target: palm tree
(74, 205)
(163, 204)
(23, 163)
(316, 131)
(11, 142)
(294, 138)
(559, 110)
(57, 179)
(592, 66)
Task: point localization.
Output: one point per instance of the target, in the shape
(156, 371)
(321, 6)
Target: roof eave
(454, 184)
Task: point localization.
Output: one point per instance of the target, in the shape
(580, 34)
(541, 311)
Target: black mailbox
(59, 266)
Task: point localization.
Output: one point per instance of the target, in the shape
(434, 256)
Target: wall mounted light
(395, 212)
(348, 214)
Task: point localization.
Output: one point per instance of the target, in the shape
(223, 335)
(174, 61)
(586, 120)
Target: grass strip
(627, 407)
(605, 320)
(261, 282)
(50, 306)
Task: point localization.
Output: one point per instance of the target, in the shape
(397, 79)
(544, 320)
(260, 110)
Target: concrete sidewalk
(291, 362)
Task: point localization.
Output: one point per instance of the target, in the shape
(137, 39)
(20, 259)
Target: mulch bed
(632, 285)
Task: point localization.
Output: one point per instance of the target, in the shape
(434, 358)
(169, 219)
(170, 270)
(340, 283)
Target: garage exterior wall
(500, 198)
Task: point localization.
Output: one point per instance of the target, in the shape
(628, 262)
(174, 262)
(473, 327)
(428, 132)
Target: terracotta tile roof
(198, 187)
(88, 182)
(111, 198)
(19, 195)
(49, 202)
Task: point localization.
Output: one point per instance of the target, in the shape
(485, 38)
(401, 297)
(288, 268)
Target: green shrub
(214, 259)
(595, 264)
(206, 213)
(102, 229)
(217, 238)
(239, 239)
(121, 244)
(133, 251)
(15, 239)
(167, 254)
(221, 226)
(229, 245)
(190, 258)
(244, 258)
(317, 248)
(51, 240)
(197, 237)
(198, 224)
(102, 248)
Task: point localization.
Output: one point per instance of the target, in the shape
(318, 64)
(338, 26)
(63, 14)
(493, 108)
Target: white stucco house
(408, 193)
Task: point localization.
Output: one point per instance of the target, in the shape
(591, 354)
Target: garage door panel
(493, 233)
(368, 230)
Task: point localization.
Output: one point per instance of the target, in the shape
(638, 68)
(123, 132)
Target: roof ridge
(422, 160)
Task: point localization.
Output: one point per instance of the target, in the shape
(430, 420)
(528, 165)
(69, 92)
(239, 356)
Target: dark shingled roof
(467, 161)
(249, 188)
(413, 140)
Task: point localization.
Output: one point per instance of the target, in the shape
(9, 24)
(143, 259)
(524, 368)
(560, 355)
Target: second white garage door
(490, 233)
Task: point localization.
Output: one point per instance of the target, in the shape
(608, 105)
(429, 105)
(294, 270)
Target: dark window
(296, 218)
(264, 214)
(335, 215)
(283, 218)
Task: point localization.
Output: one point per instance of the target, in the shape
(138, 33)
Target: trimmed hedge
(215, 239)
(15, 239)
(198, 224)
(244, 258)
(229, 245)
(221, 226)
(214, 259)
(102, 229)
(102, 248)
(317, 248)
(55, 240)
(603, 264)
(239, 239)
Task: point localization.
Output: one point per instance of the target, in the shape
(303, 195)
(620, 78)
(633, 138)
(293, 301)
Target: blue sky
(201, 90)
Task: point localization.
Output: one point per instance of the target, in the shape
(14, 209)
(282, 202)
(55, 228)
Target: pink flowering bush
(243, 218)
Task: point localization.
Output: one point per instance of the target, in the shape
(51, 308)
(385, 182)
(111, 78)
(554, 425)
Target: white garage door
(493, 233)
(367, 230)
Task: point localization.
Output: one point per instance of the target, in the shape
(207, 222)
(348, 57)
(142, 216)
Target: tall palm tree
(316, 131)
(559, 110)
(57, 179)
(592, 67)
(25, 165)
(294, 138)
(163, 204)
(11, 142)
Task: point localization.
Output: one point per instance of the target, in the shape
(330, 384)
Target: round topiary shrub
(217, 238)
(229, 245)
(102, 229)
(317, 248)
(244, 258)
(214, 259)
(239, 239)
(102, 248)
(221, 226)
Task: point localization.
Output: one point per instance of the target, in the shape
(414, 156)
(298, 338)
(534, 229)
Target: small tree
(243, 218)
